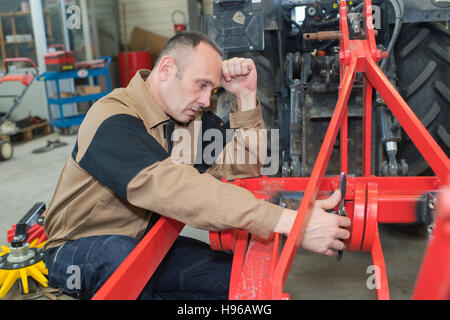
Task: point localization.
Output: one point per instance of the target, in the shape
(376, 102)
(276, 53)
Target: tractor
(295, 46)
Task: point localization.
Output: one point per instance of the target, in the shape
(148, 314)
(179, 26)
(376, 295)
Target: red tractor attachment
(261, 267)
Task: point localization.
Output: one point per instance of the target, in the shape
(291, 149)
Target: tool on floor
(51, 144)
(49, 293)
(23, 259)
(341, 208)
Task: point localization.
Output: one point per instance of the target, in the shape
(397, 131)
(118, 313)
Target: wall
(105, 13)
(155, 15)
(208, 6)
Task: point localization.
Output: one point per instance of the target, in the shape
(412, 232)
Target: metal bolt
(432, 203)
(312, 11)
(431, 228)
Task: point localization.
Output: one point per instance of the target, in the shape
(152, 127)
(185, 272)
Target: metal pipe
(326, 35)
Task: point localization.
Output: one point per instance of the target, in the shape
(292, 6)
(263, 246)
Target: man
(121, 177)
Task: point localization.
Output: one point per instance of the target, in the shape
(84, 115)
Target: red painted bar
(293, 241)
(238, 261)
(433, 281)
(382, 285)
(419, 135)
(127, 282)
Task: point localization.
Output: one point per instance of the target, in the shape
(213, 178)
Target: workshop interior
(355, 96)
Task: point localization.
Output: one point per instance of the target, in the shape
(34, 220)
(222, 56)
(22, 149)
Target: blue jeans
(190, 270)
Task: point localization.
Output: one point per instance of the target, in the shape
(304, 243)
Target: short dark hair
(176, 46)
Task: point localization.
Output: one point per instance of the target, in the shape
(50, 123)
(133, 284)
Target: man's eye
(203, 85)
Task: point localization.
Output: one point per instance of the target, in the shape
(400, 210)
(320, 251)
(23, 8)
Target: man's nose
(205, 99)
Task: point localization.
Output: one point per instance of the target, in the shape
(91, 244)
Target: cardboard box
(142, 39)
(64, 94)
(84, 90)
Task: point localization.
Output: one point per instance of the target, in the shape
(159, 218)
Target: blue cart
(69, 121)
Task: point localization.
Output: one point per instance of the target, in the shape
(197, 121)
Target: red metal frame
(129, 279)
(369, 201)
(434, 277)
(259, 269)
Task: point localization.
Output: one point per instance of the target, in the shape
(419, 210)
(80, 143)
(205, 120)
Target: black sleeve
(119, 150)
(210, 121)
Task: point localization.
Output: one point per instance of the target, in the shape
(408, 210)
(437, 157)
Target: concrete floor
(30, 178)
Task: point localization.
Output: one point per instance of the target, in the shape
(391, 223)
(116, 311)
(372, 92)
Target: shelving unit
(66, 122)
(11, 17)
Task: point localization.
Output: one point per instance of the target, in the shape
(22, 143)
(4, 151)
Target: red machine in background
(26, 79)
(131, 62)
(260, 268)
(59, 60)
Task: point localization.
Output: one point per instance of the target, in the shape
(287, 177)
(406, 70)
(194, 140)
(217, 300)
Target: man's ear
(166, 68)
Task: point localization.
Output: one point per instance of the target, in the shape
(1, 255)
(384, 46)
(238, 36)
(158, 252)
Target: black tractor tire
(266, 84)
(423, 61)
(6, 150)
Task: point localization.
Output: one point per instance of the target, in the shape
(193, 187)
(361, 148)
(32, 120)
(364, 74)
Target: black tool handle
(341, 210)
(26, 222)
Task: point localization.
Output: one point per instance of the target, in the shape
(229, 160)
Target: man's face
(183, 94)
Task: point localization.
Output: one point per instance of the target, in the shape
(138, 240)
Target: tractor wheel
(6, 150)
(265, 92)
(423, 62)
